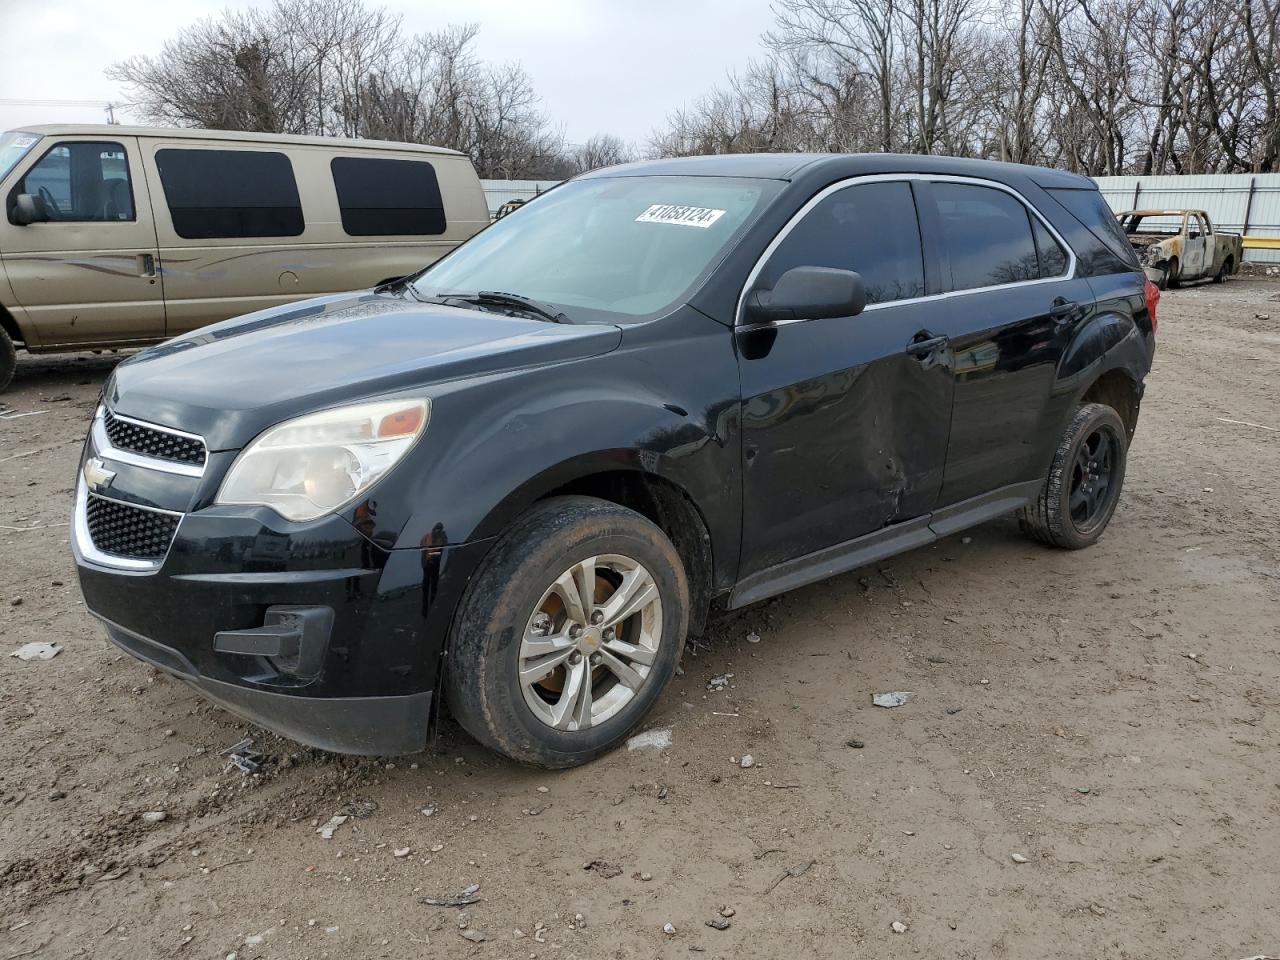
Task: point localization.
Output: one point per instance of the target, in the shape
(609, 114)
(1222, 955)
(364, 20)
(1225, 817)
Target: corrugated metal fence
(1236, 202)
(498, 192)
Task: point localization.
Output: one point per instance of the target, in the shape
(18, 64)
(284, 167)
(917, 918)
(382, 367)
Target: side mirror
(27, 209)
(809, 293)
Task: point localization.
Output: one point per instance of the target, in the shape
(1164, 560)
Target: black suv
(520, 478)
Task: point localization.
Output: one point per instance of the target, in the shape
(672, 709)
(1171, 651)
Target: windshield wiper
(497, 297)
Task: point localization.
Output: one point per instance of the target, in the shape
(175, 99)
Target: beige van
(119, 236)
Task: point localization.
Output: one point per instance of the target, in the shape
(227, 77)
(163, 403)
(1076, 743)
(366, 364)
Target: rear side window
(1089, 208)
(220, 194)
(82, 182)
(388, 198)
(870, 228)
(986, 234)
(1053, 259)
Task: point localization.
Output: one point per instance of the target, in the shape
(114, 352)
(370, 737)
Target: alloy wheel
(591, 642)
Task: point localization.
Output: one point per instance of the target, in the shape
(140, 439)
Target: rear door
(88, 274)
(845, 419)
(1012, 307)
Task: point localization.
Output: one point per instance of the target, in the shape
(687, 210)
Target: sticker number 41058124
(684, 216)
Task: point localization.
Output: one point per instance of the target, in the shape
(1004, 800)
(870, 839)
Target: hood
(229, 381)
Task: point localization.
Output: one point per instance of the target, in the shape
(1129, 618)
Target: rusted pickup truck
(1177, 245)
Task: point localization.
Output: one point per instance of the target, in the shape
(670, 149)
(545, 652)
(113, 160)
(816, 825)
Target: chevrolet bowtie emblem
(96, 475)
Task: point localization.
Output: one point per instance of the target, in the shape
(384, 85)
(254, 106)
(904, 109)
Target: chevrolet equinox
(517, 480)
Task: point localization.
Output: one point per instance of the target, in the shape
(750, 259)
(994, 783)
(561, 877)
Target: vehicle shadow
(55, 371)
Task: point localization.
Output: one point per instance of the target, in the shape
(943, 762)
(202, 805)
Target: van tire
(8, 360)
(512, 588)
(1052, 517)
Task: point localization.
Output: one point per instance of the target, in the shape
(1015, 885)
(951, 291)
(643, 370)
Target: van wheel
(8, 360)
(1082, 489)
(568, 634)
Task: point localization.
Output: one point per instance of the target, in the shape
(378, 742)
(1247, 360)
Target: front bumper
(360, 725)
(369, 678)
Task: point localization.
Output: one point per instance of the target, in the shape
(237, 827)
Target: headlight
(311, 466)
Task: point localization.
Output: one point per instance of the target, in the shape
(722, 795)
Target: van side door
(86, 271)
(1013, 304)
(231, 229)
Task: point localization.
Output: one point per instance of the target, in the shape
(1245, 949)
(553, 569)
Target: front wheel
(568, 634)
(1082, 489)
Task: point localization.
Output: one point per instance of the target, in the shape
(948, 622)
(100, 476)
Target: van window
(82, 182)
(388, 198)
(1053, 259)
(870, 228)
(217, 194)
(986, 234)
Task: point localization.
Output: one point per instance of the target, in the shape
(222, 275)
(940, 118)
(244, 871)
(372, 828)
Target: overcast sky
(613, 66)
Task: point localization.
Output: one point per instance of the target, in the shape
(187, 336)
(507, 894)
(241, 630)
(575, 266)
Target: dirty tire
(1170, 278)
(8, 360)
(1049, 517)
(482, 682)
(1223, 271)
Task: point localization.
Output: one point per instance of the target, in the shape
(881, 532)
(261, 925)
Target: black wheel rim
(1094, 478)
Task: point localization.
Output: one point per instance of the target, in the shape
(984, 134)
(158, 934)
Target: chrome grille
(124, 530)
(152, 441)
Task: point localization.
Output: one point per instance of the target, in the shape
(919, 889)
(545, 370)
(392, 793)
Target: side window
(986, 234)
(388, 198)
(1053, 259)
(1195, 226)
(1090, 209)
(870, 228)
(215, 194)
(82, 182)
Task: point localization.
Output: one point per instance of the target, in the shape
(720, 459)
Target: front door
(1193, 248)
(845, 420)
(88, 274)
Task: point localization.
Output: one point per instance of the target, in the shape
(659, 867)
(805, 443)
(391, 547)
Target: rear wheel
(1080, 494)
(8, 360)
(568, 634)
(1224, 271)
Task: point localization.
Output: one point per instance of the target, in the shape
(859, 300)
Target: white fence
(1236, 202)
(498, 192)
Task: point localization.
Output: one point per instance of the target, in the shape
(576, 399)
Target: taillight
(1152, 294)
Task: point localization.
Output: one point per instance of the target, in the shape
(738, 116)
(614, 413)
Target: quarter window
(870, 228)
(82, 182)
(1053, 259)
(388, 198)
(215, 194)
(987, 236)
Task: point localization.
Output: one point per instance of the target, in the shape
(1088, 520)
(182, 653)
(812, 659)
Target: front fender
(664, 403)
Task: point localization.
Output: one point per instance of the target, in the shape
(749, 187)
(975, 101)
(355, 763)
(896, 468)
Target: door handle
(1063, 309)
(146, 265)
(924, 344)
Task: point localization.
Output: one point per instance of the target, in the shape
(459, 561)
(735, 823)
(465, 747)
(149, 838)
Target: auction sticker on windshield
(685, 216)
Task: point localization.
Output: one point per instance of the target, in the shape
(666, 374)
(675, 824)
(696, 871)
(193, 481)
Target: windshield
(622, 245)
(14, 145)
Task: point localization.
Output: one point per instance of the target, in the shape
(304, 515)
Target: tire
(516, 606)
(1056, 516)
(1171, 280)
(8, 360)
(1224, 271)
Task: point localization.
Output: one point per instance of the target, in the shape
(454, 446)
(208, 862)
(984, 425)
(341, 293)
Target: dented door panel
(843, 431)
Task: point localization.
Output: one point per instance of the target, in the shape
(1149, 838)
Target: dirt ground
(1111, 716)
